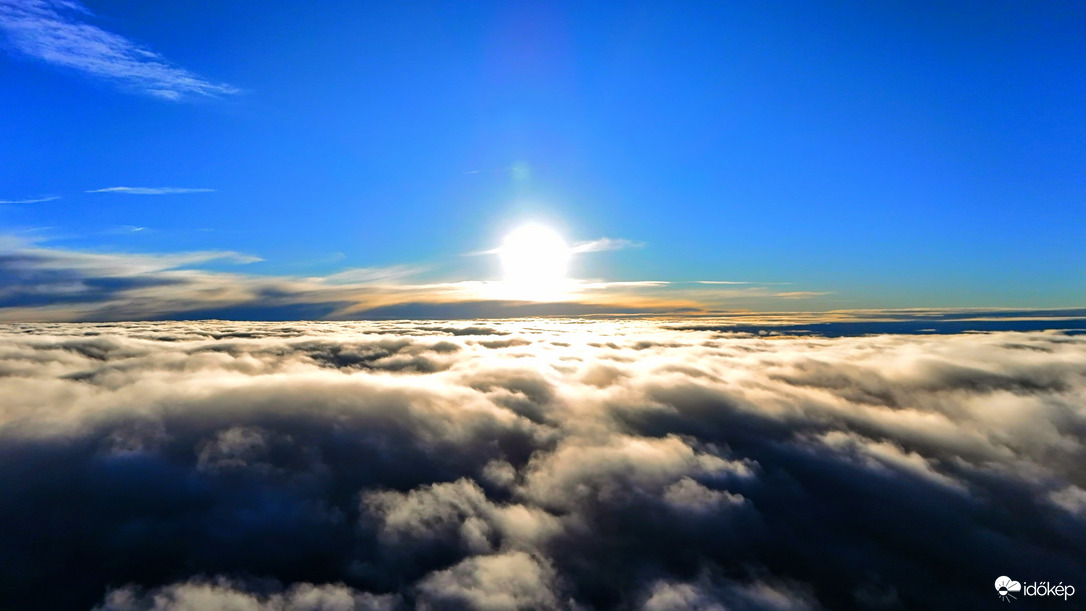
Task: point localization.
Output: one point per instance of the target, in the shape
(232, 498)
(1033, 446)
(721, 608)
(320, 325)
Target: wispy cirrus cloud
(737, 282)
(371, 274)
(31, 200)
(802, 294)
(603, 244)
(591, 285)
(117, 264)
(577, 248)
(149, 190)
(57, 31)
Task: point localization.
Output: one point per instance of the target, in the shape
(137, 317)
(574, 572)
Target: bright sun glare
(534, 258)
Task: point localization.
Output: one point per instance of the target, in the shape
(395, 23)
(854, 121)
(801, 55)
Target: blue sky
(839, 156)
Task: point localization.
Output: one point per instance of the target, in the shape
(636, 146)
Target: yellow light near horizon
(534, 260)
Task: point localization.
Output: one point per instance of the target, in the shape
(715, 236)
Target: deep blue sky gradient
(893, 154)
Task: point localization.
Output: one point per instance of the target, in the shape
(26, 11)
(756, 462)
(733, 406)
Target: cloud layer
(52, 284)
(533, 464)
(57, 31)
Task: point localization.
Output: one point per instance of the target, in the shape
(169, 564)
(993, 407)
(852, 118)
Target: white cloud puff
(503, 582)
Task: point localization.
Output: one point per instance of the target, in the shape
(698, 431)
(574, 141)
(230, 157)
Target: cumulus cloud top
(533, 464)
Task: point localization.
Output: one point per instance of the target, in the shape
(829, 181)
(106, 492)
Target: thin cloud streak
(150, 190)
(120, 264)
(604, 244)
(371, 274)
(598, 245)
(739, 282)
(602, 284)
(56, 31)
(36, 200)
(802, 294)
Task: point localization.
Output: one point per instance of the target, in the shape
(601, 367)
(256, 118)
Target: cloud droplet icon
(1005, 586)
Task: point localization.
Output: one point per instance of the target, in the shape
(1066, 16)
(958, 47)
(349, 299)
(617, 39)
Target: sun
(534, 259)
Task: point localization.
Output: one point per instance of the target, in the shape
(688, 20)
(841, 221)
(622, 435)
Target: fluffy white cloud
(502, 582)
